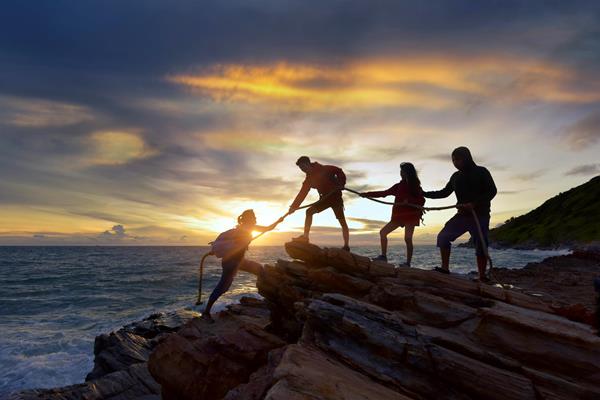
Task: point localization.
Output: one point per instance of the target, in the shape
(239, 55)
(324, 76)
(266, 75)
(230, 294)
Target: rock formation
(335, 325)
(120, 364)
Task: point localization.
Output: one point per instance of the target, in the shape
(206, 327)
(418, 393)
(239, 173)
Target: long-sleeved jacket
(401, 191)
(324, 178)
(471, 185)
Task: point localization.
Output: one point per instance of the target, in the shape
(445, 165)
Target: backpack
(229, 243)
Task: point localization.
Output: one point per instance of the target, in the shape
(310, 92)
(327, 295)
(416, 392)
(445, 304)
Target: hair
(245, 215)
(303, 160)
(410, 174)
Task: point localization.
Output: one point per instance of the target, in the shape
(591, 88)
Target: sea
(55, 300)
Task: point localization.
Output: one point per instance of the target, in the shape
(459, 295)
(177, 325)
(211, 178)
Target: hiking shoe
(346, 248)
(442, 270)
(300, 238)
(380, 257)
(404, 265)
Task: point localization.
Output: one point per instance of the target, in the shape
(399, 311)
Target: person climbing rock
(474, 189)
(408, 190)
(231, 246)
(329, 181)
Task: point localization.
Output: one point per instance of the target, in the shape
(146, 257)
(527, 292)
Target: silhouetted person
(474, 188)
(234, 260)
(408, 190)
(326, 179)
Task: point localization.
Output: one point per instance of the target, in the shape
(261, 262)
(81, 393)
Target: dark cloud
(117, 232)
(587, 169)
(369, 224)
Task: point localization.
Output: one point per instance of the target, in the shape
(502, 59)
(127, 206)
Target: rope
(417, 206)
(201, 273)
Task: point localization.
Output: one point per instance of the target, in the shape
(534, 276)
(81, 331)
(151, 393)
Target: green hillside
(570, 218)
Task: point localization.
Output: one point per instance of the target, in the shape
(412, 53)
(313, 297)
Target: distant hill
(569, 219)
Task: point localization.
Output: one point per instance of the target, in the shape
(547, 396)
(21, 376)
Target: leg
(386, 230)
(337, 205)
(251, 266)
(480, 247)
(308, 222)
(227, 275)
(345, 230)
(455, 227)
(409, 230)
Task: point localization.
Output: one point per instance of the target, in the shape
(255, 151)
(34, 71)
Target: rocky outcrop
(565, 283)
(205, 360)
(120, 363)
(335, 325)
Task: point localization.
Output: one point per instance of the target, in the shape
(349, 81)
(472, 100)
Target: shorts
(335, 202)
(460, 224)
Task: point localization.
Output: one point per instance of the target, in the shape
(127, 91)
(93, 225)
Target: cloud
(115, 147)
(585, 132)
(369, 224)
(587, 169)
(117, 232)
(529, 176)
(39, 113)
(403, 82)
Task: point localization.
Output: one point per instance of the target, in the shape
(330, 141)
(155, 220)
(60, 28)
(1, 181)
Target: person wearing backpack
(231, 247)
(408, 190)
(329, 182)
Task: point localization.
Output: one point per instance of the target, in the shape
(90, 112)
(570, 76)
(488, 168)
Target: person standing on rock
(329, 181)
(408, 190)
(475, 189)
(232, 246)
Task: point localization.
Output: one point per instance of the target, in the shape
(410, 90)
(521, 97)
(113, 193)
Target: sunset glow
(171, 132)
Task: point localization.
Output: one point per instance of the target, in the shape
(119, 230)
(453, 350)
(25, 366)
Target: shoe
(404, 265)
(300, 238)
(380, 257)
(346, 248)
(207, 317)
(442, 270)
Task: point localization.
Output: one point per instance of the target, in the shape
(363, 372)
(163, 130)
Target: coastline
(121, 357)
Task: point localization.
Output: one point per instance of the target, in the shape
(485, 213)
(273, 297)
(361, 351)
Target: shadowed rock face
(335, 325)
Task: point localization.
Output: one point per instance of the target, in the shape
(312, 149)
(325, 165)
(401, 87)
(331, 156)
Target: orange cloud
(424, 82)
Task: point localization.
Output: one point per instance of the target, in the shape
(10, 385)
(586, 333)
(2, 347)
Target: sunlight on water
(55, 300)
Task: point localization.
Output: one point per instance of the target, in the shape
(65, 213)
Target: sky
(157, 123)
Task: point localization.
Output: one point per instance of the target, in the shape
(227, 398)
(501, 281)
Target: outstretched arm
(261, 228)
(381, 193)
(440, 194)
(300, 196)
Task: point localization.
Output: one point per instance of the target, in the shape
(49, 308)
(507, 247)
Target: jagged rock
(120, 363)
(307, 373)
(503, 352)
(132, 383)
(133, 343)
(205, 360)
